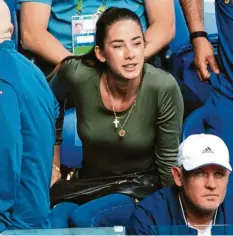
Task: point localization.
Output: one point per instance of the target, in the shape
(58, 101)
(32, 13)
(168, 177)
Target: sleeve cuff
(48, 2)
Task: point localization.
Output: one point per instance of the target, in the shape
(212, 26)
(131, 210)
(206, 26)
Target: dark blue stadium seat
(194, 123)
(182, 67)
(179, 58)
(71, 147)
(12, 6)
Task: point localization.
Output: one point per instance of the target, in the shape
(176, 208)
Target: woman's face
(124, 49)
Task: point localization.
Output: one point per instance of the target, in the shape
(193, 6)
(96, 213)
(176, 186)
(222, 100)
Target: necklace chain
(123, 116)
(116, 120)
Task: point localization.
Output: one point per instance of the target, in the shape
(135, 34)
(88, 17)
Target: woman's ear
(99, 54)
(177, 175)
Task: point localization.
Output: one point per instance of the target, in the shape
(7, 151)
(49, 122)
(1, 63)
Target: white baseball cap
(203, 149)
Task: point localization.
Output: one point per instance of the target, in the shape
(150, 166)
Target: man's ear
(177, 175)
(99, 54)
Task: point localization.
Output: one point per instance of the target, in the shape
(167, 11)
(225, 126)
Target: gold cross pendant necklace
(116, 121)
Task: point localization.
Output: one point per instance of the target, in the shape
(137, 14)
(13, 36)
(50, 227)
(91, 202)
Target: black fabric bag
(136, 185)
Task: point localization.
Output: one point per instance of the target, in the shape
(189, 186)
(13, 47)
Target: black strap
(197, 34)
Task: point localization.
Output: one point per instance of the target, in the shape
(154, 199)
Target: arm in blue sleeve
(10, 146)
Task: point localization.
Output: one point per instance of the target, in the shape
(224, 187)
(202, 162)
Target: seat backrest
(12, 6)
(71, 147)
(194, 123)
(179, 59)
(182, 67)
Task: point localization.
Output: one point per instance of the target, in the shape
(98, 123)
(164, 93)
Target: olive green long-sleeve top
(152, 129)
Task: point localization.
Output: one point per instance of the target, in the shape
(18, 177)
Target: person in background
(218, 115)
(28, 112)
(129, 114)
(196, 202)
(46, 24)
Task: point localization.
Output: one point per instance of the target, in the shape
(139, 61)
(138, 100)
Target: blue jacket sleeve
(10, 146)
(48, 2)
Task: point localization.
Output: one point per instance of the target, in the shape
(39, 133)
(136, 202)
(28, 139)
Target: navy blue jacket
(27, 135)
(160, 213)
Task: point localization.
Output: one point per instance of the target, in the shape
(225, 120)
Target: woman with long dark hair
(129, 114)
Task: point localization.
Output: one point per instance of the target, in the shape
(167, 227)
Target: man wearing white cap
(196, 202)
(28, 113)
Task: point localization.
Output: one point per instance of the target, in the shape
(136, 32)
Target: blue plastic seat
(179, 58)
(182, 67)
(194, 123)
(12, 6)
(71, 147)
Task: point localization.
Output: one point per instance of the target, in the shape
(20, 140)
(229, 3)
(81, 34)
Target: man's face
(205, 187)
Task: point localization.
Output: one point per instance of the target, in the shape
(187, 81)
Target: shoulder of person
(160, 195)
(157, 204)
(159, 79)
(73, 69)
(12, 76)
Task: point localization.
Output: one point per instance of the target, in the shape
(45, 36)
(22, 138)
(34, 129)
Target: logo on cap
(208, 150)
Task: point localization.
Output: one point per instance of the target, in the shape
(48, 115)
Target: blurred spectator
(28, 112)
(197, 199)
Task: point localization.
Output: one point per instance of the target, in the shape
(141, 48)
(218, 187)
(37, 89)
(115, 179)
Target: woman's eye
(117, 46)
(138, 44)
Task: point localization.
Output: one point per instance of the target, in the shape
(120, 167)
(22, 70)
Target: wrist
(197, 36)
(199, 40)
(56, 167)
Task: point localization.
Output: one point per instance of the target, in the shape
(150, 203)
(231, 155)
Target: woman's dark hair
(109, 17)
